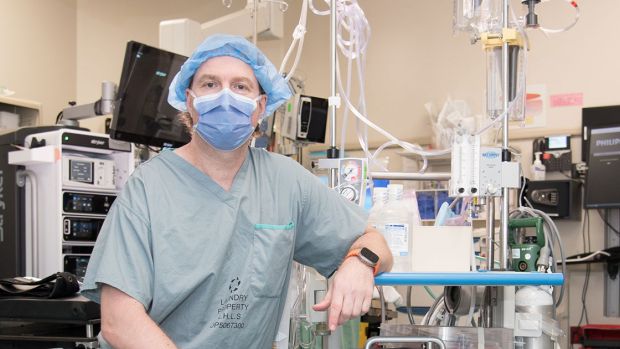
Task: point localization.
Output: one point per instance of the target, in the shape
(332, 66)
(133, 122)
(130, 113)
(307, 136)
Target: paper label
(397, 237)
(516, 253)
(567, 100)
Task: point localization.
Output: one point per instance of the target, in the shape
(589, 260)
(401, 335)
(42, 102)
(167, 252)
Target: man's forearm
(374, 241)
(125, 323)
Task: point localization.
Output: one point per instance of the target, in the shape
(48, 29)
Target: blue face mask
(224, 119)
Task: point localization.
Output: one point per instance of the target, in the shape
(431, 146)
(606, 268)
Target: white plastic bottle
(538, 169)
(379, 199)
(395, 223)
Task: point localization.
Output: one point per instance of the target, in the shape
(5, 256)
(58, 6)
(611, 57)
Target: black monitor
(602, 189)
(601, 152)
(142, 113)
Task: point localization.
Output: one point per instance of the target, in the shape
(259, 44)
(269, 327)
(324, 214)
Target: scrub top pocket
(272, 250)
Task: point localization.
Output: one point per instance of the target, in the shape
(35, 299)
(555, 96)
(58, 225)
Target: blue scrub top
(211, 267)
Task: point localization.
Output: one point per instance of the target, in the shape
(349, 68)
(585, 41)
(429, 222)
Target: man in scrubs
(196, 251)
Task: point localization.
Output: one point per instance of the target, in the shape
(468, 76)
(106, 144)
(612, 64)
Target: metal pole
(490, 233)
(400, 340)
(255, 17)
(332, 55)
(505, 152)
(436, 176)
(333, 153)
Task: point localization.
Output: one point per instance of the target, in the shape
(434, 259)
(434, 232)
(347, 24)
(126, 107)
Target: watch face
(368, 254)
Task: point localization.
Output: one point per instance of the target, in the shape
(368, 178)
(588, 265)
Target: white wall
(38, 52)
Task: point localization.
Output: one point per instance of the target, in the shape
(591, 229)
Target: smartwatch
(367, 257)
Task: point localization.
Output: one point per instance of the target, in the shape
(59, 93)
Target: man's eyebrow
(207, 77)
(244, 79)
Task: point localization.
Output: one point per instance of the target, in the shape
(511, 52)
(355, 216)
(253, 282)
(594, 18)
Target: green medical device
(525, 249)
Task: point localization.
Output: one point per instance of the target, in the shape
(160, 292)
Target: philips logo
(490, 155)
(607, 142)
(97, 142)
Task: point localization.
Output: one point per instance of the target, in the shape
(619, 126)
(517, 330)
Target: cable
(430, 292)
(383, 305)
(430, 315)
(607, 223)
(588, 257)
(59, 116)
(586, 281)
(409, 311)
(584, 292)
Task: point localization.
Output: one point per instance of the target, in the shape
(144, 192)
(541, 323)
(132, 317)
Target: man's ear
(259, 113)
(189, 104)
(262, 104)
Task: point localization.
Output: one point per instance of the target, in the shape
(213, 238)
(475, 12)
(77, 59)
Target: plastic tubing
(345, 117)
(351, 20)
(317, 12)
(298, 39)
(568, 27)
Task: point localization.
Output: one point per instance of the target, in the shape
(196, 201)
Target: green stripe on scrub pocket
(275, 227)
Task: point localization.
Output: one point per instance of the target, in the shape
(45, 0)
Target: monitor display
(142, 113)
(602, 190)
(317, 122)
(596, 117)
(558, 142)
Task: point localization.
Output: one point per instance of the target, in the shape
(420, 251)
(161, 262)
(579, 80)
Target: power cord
(586, 282)
(607, 223)
(59, 117)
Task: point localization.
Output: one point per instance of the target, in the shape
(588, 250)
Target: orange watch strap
(356, 253)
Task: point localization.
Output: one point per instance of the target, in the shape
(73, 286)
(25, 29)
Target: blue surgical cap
(273, 84)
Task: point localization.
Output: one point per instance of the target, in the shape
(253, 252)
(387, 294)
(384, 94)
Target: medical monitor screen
(558, 142)
(602, 189)
(142, 113)
(81, 171)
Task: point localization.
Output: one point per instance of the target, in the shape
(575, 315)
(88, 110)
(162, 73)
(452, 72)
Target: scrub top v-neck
(211, 266)
(208, 182)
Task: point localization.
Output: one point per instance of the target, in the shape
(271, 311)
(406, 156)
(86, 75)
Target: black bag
(54, 286)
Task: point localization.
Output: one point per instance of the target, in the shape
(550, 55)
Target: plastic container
(538, 168)
(395, 222)
(379, 199)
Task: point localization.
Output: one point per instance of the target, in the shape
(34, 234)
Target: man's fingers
(325, 303)
(334, 311)
(367, 301)
(347, 308)
(357, 306)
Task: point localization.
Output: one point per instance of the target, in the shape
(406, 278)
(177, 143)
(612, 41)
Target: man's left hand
(350, 293)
